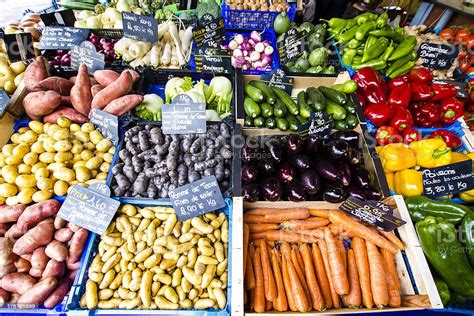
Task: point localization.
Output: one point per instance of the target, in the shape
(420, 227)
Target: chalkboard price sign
(19, 46)
(210, 32)
(90, 208)
(277, 78)
(4, 99)
(372, 212)
(62, 37)
(216, 60)
(59, 18)
(87, 54)
(197, 198)
(106, 124)
(183, 116)
(292, 46)
(438, 56)
(140, 27)
(319, 123)
(449, 179)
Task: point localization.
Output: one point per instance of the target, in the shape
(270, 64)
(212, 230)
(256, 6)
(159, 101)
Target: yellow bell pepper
(396, 157)
(408, 182)
(467, 196)
(389, 177)
(458, 157)
(431, 152)
(471, 155)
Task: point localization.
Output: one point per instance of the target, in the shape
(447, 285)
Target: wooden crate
(418, 288)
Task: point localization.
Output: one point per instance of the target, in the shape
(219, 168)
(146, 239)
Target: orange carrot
(353, 299)
(256, 236)
(249, 279)
(362, 262)
(296, 288)
(270, 244)
(321, 275)
(299, 257)
(306, 224)
(336, 229)
(342, 251)
(327, 267)
(251, 299)
(268, 278)
(258, 228)
(314, 291)
(259, 295)
(319, 213)
(393, 282)
(277, 216)
(268, 305)
(378, 280)
(281, 235)
(391, 267)
(286, 280)
(338, 273)
(245, 244)
(318, 232)
(299, 271)
(251, 251)
(368, 233)
(393, 238)
(280, 304)
(271, 211)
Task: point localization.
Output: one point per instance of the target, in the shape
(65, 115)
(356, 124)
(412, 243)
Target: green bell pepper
(444, 252)
(420, 207)
(467, 228)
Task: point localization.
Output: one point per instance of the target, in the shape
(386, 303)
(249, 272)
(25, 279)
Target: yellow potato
(89, 146)
(61, 134)
(101, 176)
(92, 298)
(15, 138)
(25, 181)
(87, 127)
(48, 145)
(77, 148)
(36, 126)
(62, 145)
(13, 160)
(30, 158)
(41, 173)
(64, 174)
(104, 145)
(108, 157)
(7, 149)
(9, 174)
(25, 196)
(37, 147)
(2, 159)
(74, 127)
(20, 150)
(112, 150)
(46, 127)
(60, 188)
(44, 184)
(78, 164)
(7, 189)
(12, 200)
(64, 121)
(40, 196)
(63, 157)
(104, 167)
(86, 155)
(28, 137)
(82, 174)
(21, 130)
(37, 166)
(96, 137)
(81, 136)
(93, 163)
(24, 169)
(55, 166)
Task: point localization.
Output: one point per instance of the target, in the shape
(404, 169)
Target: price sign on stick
(140, 27)
(449, 179)
(106, 124)
(62, 37)
(438, 56)
(183, 116)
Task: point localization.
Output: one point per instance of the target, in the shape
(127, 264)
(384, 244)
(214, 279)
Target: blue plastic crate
(79, 285)
(456, 128)
(252, 20)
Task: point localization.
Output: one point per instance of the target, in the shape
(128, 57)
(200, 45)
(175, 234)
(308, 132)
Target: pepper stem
(450, 113)
(438, 153)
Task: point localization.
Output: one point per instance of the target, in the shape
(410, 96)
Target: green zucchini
(266, 90)
(251, 108)
(254, 93)
(279, 109)
(267, 110)
(287, 100)
(305, 109)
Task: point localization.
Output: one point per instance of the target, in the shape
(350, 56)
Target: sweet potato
(22, 265)
(54, 269)
(77, 245)
(39, 292)
(117, 89)
(35, 72)
(59, 222)
(14, 232)
(63, 235)
(123, 104)
(56, 250)
(38, 236)
(96, 88)
(17, 282)
(7, 269)
(65, 100)
(3, 229)
(70, 113)
(38, 104)
(10, 213)
(106, 77)
(35, 213)
(93, 81)
(134, 74)
(58, 84)
(81, 96)
(58, 294)
(4, 296)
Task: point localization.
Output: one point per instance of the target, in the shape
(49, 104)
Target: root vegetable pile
(149, 260)
(299, 260)
(151, 164)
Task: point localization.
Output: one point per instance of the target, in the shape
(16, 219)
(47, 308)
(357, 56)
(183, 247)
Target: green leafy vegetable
(150, 108)
(177, 85)
(220, 95)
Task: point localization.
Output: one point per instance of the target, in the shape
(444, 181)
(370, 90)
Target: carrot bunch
(295, 259)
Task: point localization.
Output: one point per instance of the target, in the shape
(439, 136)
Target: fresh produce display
(40, 254)
(463, 37)
(300, 260)
(151, 164)
(272, 107)
(251, 53)
(291, 168)
(11, 74)
(182, 265)
(262, 5)
(407, 101)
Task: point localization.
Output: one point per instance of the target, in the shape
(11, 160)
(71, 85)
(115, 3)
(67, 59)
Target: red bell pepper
(421, 91)
(451, 109)
(400, 96)
(362, 99)
(427, 115)
(443, 91)
(379, 114)
(371, 85)
(452, 140)
(410, 135)
(387, 135)
(401, 119)
(397, 81)
(420, 74)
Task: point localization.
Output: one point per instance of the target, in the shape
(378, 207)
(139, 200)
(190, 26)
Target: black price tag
(140, 27)
(292, 46)
(90, 208)
(106, 124)
(4, 100)
(183, 116)
(277, 78)
(19, 46)
(449, 179)
(59, 18)
(372, 212)
(210, 32)
(62, 37)
(197, 198)
(87, 54)
(319, 123)
(462, 93)
(216, 60)
(438, 56)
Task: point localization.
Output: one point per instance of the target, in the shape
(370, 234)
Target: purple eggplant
(355, 191)
(333, 193)
(285, 173)
(267, 167)
(312, 144)
(310, 182)
(350, 137)
(250, 192)
(354, 157)
(271, 189)
(373, 193)
(326, 169)
(293, 144)
(294, 192)
(361, 177)
(248, 153)
(300, 162)
(249, 172)
(275, 149)
(337, 150)
(344, 173)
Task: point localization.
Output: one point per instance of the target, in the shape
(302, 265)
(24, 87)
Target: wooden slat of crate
(15, 106)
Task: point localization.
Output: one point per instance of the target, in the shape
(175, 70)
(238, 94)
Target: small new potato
(13, 160)
(41, 196)
(55, 165)
(47, 157)
(87, 127)
(36, 126)
(104, 145)
(81, 136)
(21, 150)
(8, 149)
(61, 134)
(21, 130)
(30, 158)
(63, 156)
(104, 167)
(28, 137)
(74, 127)
(93, 163)
(25, 181)
(64, 174)
(86, 155)
(25, 196)
(41, 173)
(9, 173)
(15, 138)
(64, 121)
(62, 146)
(60, 188)
(96, 137)
(108, 157)
(101, 176)
(77, 148)
(48, 144)
(44, 184)
(38, 165)
(82, 174)
(8, 189)
(24, 169)
(37, 147)
(89, 146)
